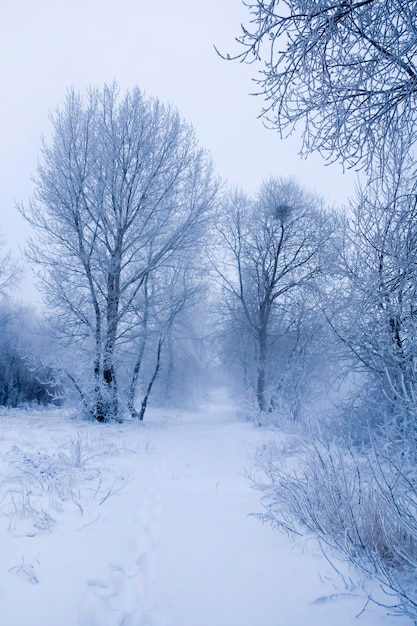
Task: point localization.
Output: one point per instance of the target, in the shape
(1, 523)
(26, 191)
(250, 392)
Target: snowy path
(216, 562)
(150, 527)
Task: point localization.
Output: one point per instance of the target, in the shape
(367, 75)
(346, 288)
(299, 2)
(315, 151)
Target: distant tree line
(132, 233)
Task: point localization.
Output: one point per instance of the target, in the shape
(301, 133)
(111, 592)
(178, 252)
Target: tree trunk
(148, 391)
(261, 374)
(135, 376)
(107, 400)
(132, 387)
(80, 391)
(99, 409)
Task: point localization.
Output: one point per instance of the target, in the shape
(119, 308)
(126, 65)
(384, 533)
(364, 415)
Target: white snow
(150, 525)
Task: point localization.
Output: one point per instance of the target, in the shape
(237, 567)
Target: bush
(360, 506)
(24, 376)
(23, 381)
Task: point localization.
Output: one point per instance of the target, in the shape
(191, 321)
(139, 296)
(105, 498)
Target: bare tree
(375, 314)
(346, 68)
(121, 188)
(168, 292)
(273, 251)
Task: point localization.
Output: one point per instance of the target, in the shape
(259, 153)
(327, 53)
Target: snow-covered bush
(37, 484)
(25, 376)
(23, 380)
(362, 507)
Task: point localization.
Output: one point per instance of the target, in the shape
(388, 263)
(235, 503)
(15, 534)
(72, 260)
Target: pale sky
(164, 47)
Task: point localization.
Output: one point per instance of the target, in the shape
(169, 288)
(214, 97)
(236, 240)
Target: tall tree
(346, 68)
(273, 252)
(121, 188)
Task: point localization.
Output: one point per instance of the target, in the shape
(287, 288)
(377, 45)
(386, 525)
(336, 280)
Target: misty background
(168, 51)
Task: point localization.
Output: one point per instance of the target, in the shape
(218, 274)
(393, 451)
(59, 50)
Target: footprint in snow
(119, 599)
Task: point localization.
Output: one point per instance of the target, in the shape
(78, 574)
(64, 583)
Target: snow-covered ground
(149, 525)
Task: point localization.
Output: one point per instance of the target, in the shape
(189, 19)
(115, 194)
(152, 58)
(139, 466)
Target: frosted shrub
(38, 485)
(362, 507)
(35, 488)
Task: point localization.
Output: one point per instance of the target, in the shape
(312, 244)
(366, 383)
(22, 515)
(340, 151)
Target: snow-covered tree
(168, 292)
(273, 252)
(122, 187)
(347, 69)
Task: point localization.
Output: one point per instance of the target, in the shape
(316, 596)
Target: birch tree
(122, 187)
